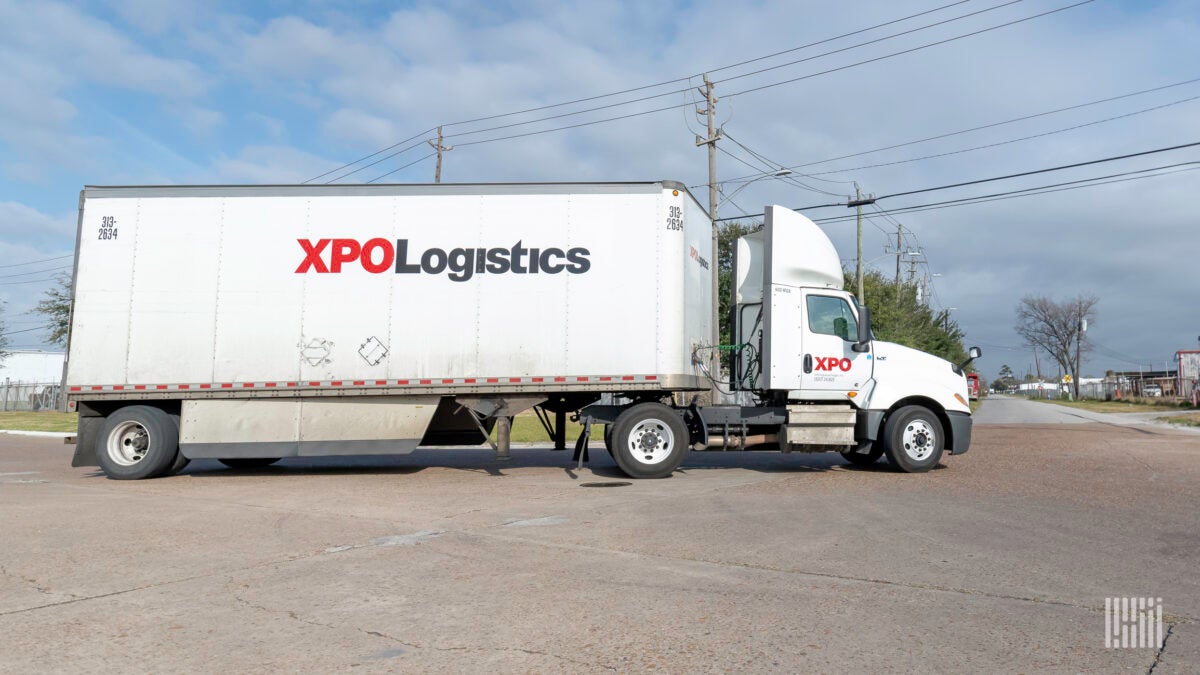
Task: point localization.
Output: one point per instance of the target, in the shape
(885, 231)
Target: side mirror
(972, 354)
(863, 344)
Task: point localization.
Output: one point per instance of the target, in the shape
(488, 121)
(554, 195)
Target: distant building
(1189, 369)
(32, 366)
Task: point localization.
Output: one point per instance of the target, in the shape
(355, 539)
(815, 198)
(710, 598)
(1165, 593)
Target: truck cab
(805, 344)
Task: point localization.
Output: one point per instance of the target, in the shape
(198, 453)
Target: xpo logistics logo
(829, 363)
(329, 256)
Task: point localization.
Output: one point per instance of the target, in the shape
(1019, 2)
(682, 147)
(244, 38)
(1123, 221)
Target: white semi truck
(248, 324)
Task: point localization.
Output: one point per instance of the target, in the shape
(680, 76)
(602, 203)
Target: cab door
(831, 367)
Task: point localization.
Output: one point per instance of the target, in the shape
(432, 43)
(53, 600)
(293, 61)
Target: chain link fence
(29, 396)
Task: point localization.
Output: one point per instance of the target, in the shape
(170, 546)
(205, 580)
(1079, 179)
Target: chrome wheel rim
(128, 443)
(651, 441)
(919, 439)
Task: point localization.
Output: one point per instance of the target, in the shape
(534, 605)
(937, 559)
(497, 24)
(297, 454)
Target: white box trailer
(248, 324)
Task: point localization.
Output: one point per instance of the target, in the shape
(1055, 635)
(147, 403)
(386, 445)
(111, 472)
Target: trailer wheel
(649, 440)
(137, 441)
(913, 439)
(180, 461)
(864, 459)
(248, 462)
(608, 430)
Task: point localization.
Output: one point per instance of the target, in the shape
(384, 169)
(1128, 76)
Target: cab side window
(828, 315)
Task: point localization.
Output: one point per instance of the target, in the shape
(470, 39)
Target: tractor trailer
(252, 323)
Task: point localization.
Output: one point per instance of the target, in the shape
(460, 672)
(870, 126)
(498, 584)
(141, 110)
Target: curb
(45, 434)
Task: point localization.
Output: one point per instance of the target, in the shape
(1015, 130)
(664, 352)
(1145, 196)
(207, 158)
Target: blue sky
(149, 92)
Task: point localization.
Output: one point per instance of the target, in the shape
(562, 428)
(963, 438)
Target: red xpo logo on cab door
(832, 362)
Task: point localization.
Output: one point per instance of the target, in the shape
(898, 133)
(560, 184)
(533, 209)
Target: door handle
(808, 363)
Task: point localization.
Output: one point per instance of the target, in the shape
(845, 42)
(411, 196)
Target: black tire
(180, 461)
(248, 462)
(913, 439)
(137, 442)
(867, 459)
(649, 440)
(608, 430)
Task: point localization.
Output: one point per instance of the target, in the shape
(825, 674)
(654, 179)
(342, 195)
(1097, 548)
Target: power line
(636, 89)
(415, 161)
(25, 274)
(651, 97)
(360, 159)
(30, 281)
(914, 49)
(1005, 177)
(1007, 142)
(746, 91)
(982, 127)
(34, 262)
(1029, 192)
(27, 330)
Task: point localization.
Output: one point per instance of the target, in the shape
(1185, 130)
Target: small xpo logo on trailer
(331, 256)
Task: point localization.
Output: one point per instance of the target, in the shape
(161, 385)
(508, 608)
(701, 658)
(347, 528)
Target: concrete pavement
(1000, 561)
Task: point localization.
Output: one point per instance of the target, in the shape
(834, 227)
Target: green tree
(56, 307)
(897, 316)
(727, 237)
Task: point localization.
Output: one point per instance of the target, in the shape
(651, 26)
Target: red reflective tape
(76, 388)
(651, 377)
(227, 385)
(139, 387)
(538, 379)
(118, 387)
(627, 377)
(359, 383)
(96, 387)
(426, 382)
(493, 380)
(160, 386)
(401, 382)
(314, 384)
(293, 384)
(185, 386)
(206, 386)
(380, 381)
(448, 381)
(605, 379)
(581, 379)
(469, 380)
(270, 384)
(247, 385)
(514, 379)
(335, 383)
(560, 379)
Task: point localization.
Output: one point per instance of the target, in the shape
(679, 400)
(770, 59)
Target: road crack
(1162, 648)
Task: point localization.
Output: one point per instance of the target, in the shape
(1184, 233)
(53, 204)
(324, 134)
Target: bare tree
(1057, 328)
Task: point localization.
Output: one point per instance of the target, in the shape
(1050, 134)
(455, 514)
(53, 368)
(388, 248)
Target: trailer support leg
(503, 438)
(581, 445)
(560, 430)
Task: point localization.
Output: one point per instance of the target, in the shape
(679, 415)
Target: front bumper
(960, 432)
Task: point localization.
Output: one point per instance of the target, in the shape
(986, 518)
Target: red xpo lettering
(312, 256)
(831, 362)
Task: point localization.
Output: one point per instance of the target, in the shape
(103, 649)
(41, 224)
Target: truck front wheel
(136, 442)
(913, 439)
(649, 440)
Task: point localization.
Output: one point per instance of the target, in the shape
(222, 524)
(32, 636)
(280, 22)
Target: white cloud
(270, 164)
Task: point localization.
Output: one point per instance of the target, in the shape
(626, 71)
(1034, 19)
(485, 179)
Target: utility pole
(1080, 328)
(858, 270)
(437, 172)
(899, 252)
(713, 136)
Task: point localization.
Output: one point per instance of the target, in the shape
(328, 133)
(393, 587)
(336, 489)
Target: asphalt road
(1000, 560)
